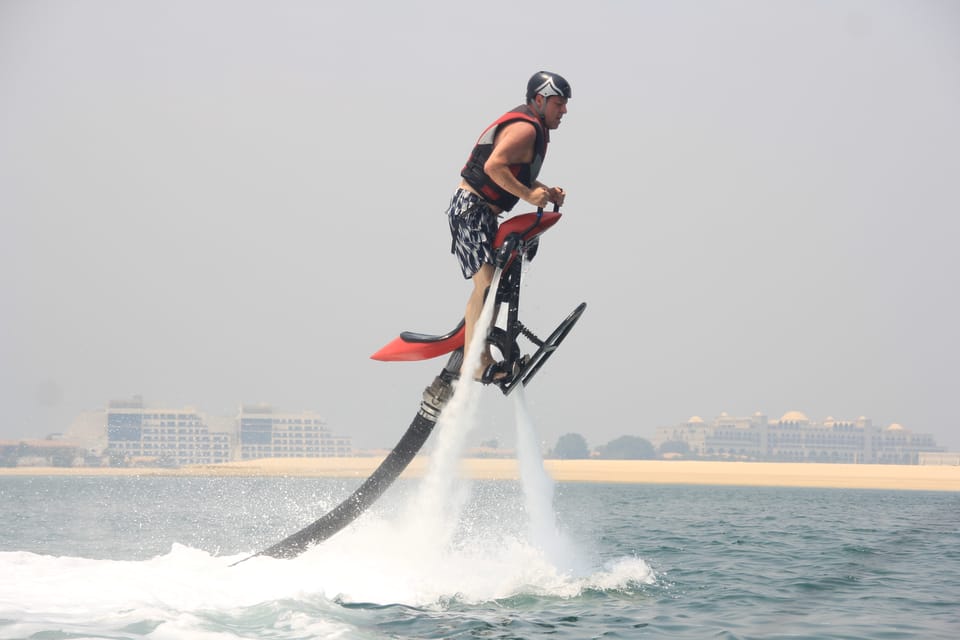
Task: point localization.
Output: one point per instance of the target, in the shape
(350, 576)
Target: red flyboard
(409, 347)
(527, 224)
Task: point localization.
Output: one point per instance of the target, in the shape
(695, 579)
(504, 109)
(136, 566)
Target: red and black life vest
(527, 173)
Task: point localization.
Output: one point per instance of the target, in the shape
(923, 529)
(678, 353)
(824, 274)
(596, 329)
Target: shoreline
(672, 472)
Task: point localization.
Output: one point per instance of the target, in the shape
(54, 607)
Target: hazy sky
(216, 203)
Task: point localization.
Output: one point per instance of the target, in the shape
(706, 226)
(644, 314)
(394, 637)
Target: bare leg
(482, 280)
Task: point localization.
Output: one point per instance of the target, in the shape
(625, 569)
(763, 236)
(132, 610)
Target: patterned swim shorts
(473, 227)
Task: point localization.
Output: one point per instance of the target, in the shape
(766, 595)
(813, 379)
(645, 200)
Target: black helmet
(548, 84)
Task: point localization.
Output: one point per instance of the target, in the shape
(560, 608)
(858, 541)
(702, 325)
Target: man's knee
(484, 277)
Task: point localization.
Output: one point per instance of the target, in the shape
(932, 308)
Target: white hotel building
(172, 437)
(796, 438)
(265, 433)
(138, 434)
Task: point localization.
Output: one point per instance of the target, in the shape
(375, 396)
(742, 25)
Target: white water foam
(437, 509)
(441, 499)
(538, 494)
(189, 593)
(170, 596)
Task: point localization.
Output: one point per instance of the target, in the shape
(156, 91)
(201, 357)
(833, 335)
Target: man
(501, 170)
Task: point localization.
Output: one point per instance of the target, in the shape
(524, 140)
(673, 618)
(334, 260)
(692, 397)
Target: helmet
(548, 84)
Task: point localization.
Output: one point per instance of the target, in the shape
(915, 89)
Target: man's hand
(557, 195)
(539, 196)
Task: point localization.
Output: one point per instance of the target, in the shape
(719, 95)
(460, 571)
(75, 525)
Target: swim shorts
(473, 227)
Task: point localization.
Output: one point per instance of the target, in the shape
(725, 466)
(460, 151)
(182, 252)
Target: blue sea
(149, 557)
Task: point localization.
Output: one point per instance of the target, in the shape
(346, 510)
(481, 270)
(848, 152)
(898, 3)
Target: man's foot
(491, 371)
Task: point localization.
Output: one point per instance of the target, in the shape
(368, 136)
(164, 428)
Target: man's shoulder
(521, 111)
(519, 128)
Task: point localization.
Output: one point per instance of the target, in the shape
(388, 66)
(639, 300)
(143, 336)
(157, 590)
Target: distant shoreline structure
(131, 433)
(795, 438)
(665, 472)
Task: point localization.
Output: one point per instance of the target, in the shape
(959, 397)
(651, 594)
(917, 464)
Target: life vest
(478, 179)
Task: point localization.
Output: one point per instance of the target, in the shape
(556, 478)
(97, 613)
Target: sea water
(148, 557)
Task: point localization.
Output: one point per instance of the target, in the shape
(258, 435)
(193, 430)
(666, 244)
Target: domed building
(795, 437)
(794, 417)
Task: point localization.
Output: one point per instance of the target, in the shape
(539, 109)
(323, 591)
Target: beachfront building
(266, 433)
(137, 434)
(796, 438)
(940, 458)
(52, 452)
(129, 432)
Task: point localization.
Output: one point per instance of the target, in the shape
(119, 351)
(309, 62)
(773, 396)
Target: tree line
(573, 446)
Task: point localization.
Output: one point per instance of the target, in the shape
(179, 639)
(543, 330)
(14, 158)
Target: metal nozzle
(436, 396)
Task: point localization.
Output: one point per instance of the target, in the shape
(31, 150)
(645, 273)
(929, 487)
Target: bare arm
(514, 145)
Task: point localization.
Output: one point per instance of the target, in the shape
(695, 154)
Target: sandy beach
(769, 474)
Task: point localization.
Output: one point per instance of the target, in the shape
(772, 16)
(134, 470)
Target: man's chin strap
(540, 113)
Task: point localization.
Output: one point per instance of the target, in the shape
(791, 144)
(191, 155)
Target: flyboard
(517, 239)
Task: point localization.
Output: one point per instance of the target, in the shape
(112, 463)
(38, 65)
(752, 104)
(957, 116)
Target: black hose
(434, 398)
